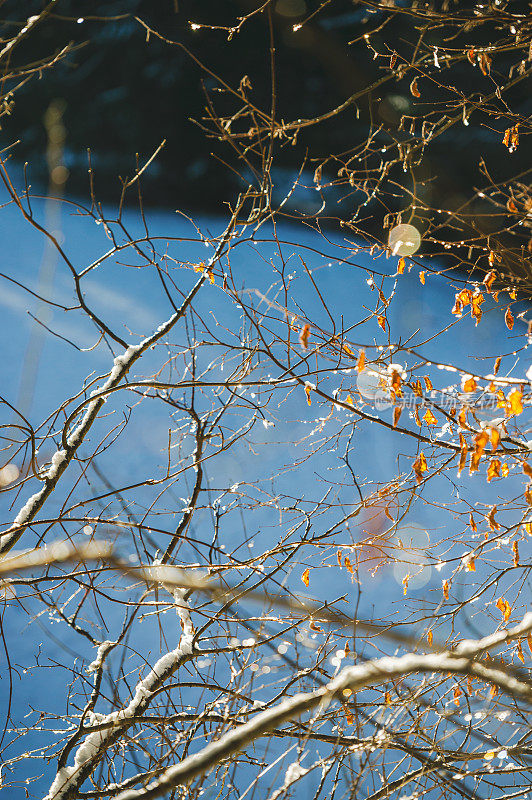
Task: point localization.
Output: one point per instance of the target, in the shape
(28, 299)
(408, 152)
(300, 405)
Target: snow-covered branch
(62, 457)
(351, 679)
(69, 778)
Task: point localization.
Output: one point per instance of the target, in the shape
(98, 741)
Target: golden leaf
(420, 466)
(508, 318)
(405, 583)
(348, 566)
(348, 350)
(429, 417)
(305, 577)
(348, 716)
(428, 384)
(515, 553)
(430, 637)
(494, 469)
(472, 523)
(505, 608)
(307, 392)
(361, 360)
(497, 365)
(494, 438)
(422, 277)
(529, 641)
(387, 698)
(514, 404)
(469, 385)
(401, 264)
(527, 469)
(505, 470)
(382, 322)
(396, 414)
(445, 589)
(470, 564)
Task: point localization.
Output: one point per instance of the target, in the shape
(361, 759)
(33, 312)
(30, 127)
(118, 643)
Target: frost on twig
(352, 678)
(111, 726)
(62, 457)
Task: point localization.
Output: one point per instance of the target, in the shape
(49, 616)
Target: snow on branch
(353, 678)
(62, 457)
(69, 778)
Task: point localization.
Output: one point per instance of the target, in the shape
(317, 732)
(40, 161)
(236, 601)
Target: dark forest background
(124, 93)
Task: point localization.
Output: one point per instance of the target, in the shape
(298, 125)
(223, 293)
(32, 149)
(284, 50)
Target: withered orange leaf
(307, 392)
(445, 589)
(420, 466)
(519, 648)
(382, 322)
(505, 470)
(456, 695)
(494, 469)
(348, 350)
(416, 416)
(348, 566)
(505, 608)
(422, 277)
(489, 279)
(429, 417)
(401, 264)
(529, 641)
(476, 301)
(314, 626)
(514, 404)
(494, 438)
(527, 469)
(528, 494)
(361, 360)
(485, 63)
(497, 365)
(492, 522)
(511, 206)
(430, 638)
(387, 698)
(405, 583)
(508, 318)
(398, 410)
(470, 564)
(348, 716)
(428, 384)
(472, 523)
(472, 57)
(303, 336)
(305, 577)
(515, 552)
(469, 385)
(339, 557)
(414, 88)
